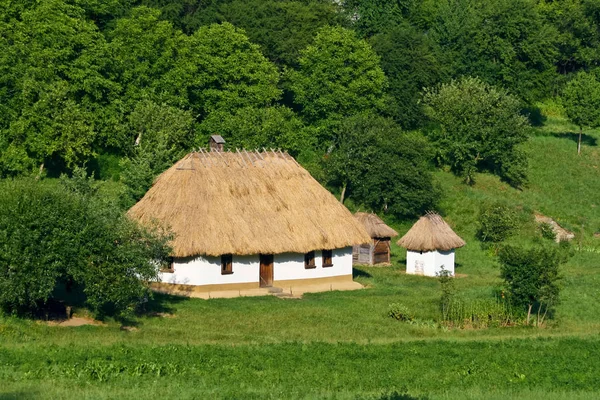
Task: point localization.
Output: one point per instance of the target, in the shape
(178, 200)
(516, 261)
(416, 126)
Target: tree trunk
(40, 173)
(579, 141)
(529, 313)
(343, 192)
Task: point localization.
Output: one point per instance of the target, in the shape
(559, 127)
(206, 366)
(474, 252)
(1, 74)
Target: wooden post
(579, 141)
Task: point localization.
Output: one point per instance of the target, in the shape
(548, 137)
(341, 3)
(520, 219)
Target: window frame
(171, 268)
(327, 255)
(309, 260)
(226, 264)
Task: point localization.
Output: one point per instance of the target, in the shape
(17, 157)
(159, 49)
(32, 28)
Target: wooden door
(266, 270)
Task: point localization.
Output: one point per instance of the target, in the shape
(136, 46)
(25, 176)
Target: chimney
(216, 143)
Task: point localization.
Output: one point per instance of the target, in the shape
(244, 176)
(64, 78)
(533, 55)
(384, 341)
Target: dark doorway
(266, 270)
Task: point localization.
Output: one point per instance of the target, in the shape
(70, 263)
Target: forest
(362, 93)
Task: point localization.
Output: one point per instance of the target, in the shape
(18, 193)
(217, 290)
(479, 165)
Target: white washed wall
(290, 266)
(206, 270)
(431, 261)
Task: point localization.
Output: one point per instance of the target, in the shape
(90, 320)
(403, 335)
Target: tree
(479, 127)
(378, 165)
(219, 69)
(281, 28)
(409, 60)
(143, 50)
(255, 128)
(532, 278)
(507, 43)
(578, 26)
(339, 76)
(581, 99)
(163, 135)
(52, 87)
(53, 236)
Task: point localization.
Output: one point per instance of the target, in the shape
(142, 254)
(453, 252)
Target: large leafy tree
(479, 127)
(409, 60)
(376, 164)
(506, 43)
(578, 25)
(281, 28)
(53, 235)
(581, 99)
(52, 88)
(339, 76)
(219, 69)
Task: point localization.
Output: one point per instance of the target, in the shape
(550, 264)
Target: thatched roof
(246, 203)
(430, 233)
(375, 227)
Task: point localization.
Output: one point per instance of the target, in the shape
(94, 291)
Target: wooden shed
(378, 250)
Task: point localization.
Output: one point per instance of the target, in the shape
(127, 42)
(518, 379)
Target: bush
(400, 312)
(496, 223)
(532, 278)
(57, 236)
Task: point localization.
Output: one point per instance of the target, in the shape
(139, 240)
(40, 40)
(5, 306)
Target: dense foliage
(497, 222)
(285, 73)
(582, 102)
(63, 236)
(532, 277)
(378, 165)
(480, 128)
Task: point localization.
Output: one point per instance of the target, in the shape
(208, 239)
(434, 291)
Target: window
(309, 260)
(226, 264)
(327, 258)
(170, 268)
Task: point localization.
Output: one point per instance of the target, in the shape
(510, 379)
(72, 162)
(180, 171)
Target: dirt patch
(561, 233)
(75, 321)
(129, 328)
(161, 315)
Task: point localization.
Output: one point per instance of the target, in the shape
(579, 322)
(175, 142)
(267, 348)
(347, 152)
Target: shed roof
(246, 203)
(374, 225)
(430, 233)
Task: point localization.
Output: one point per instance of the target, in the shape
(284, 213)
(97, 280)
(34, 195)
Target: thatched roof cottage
(377, 251)
(430, 244)
(244, 220)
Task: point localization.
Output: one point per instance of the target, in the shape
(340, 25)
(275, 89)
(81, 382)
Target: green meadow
(342, 345)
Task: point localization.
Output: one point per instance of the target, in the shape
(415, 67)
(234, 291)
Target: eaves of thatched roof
(431, 233)
(374, 226)
(246, 203)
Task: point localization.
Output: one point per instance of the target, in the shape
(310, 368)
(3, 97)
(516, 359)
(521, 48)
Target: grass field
(342, 344)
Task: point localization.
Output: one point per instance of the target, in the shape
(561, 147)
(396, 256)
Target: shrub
(56, 236)
(532, 278)
(400, 312)
(496, 222)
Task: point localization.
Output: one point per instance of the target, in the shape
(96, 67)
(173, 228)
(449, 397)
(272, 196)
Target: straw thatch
(431, 233)
(246, 203)
(375, 227)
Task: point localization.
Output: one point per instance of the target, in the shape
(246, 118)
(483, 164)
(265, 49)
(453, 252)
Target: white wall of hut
(206, 270)
(429, 263)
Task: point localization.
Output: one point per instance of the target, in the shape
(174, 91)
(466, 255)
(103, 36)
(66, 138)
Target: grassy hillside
(342, 344)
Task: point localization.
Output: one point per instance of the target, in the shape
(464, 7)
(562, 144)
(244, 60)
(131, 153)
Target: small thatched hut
(430, 244)
(246, 220)
(378, 250)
